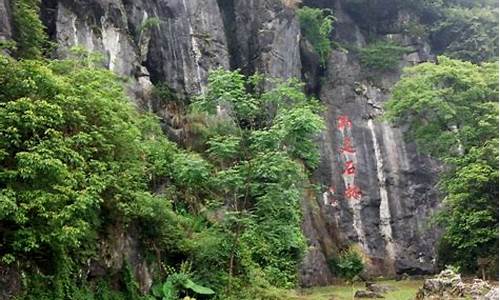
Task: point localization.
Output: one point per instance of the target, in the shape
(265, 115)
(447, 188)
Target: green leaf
(189, 284)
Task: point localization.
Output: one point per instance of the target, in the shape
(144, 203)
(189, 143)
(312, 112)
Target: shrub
(348, 264)
(451, 111)
(316, 25)
(382, 56)
(29, 32)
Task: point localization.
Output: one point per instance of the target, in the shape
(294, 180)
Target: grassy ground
(406, 290)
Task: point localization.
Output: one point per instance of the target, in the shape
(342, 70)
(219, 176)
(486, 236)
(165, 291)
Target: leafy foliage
(467, 30)
(149, 23)
(452, 110)
(316, 25)
(176, 281)
(29, 31)
(258, 178)
(348, 264)
(75, 156)
(381, 56)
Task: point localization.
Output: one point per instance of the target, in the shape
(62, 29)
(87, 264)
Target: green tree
(316, 26)
(75, 156)
(467, 33)
(259, 175)
(381, 56)
(452, 110)
(29, 32)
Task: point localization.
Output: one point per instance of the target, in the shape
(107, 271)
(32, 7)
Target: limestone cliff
(391, 192)
(377, 191)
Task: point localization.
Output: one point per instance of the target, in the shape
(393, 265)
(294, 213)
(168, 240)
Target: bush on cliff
(316, 26)
(452, 110)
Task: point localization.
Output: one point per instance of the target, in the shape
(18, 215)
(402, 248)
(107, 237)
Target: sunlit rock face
(172, 42)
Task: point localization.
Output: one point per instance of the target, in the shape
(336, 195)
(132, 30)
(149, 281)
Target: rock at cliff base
(478, 288)
(449, 285)
(492, 295)
(367, 294)
(379, 288)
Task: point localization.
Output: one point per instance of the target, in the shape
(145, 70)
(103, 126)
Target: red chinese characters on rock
(353, 192)
(349, 168)
(347, 146)
(343, 122)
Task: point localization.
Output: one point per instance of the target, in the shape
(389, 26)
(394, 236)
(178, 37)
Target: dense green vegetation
(29, 34)
(316, 25)
(461, 29)
(452, 110)
(257, 150)
(467, 33)
(348, 264)
(381, 56)
(77, 159)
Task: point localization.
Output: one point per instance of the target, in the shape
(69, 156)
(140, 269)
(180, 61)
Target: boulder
(367, 294)
(492, 295)
(449, 285)
(478, 288)
(446, 284)
(378, 288)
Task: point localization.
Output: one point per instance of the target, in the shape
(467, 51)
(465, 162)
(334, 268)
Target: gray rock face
(378, 191)
(188, 42)
(314, 269)
(176, 42)
(179, 41)
(5, 20)
(264, 37)
(117, 249)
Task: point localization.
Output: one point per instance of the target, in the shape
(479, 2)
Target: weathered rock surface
(267, 36)
(5, 20)
(391, 185)
(367, 294)
(10, 282)
(449, 285)
(379, 288)
(117, 250)
(177, 42)
(492, 295)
